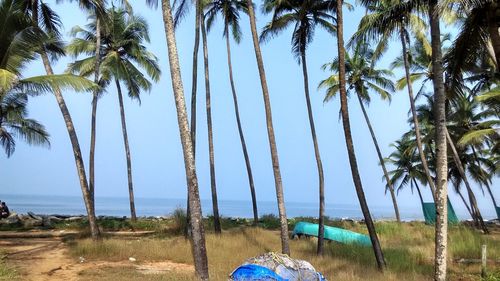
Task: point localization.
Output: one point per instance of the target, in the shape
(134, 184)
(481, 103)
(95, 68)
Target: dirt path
(47, 259)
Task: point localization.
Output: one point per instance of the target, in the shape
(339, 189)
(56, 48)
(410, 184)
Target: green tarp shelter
(430, 213)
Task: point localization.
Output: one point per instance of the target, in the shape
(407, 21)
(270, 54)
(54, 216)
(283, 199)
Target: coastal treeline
(453, 125)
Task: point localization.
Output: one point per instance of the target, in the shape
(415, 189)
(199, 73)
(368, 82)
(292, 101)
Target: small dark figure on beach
(4, 210)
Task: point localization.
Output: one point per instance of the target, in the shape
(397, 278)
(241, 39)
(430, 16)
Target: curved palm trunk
(93, 123)
(80, 167)
(213, 186)
(321, 228)
(133, 215)
(414, 115)
(441, 197)
(381, 159)
(270, 132)
(198, 232)
(349, 144)
(240, 132)
(478, 218)
(419, 192)
(77, 153)
(465, 203)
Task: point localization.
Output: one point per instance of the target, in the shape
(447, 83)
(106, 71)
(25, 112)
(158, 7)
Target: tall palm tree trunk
(133, 215)
(213, 186)
(270, 132)
(240, 131)
(198, 232)
(381, 159)
(441, 197)
(77, 153)
(493, 29)
(349, 143)
(194, 86)
(478, 218)
(414, 115)
(321, 181)
(93, 123)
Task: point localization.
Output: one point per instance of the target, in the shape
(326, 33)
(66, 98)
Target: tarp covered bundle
(332, 233)
(276, 267)
(430, 213)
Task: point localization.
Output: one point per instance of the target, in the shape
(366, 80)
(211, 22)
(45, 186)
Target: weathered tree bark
(77, 153)
(133, 215)
(377, 249)
(213, 186)
(198, 232)
(381, 160)
(270, 132)
(440, 261)
(240, 131)
(319, 164)
(414, 115)
(472, 198)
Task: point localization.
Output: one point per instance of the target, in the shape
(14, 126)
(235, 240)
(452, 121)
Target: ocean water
(116, 206)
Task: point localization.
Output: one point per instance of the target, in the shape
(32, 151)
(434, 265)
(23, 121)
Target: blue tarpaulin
(275, 267)
(250, 272)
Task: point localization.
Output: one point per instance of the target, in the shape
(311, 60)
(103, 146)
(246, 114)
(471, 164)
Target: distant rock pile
(31, 220)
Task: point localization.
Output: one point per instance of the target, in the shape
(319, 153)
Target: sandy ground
(44, 259)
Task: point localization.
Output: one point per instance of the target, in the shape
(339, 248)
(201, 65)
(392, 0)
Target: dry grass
(7, 272)
(408, 249)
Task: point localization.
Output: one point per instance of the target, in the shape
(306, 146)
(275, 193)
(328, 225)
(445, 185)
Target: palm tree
(213, 187)
(441, 146)
(270, 131)
(198, 232)
(395, 17)
(362, 77)
(478, 33)
(181, 8)
(121, 50)
(425, 113)
(379, 256)
(230, 11)
(14, 123)
(304, 16)
(408, 169)
(51, 25)
(95, 8)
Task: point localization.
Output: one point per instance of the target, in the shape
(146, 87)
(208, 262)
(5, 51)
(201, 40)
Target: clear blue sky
(158, 167)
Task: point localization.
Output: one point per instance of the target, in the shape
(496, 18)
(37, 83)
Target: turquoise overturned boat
(332, 233)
